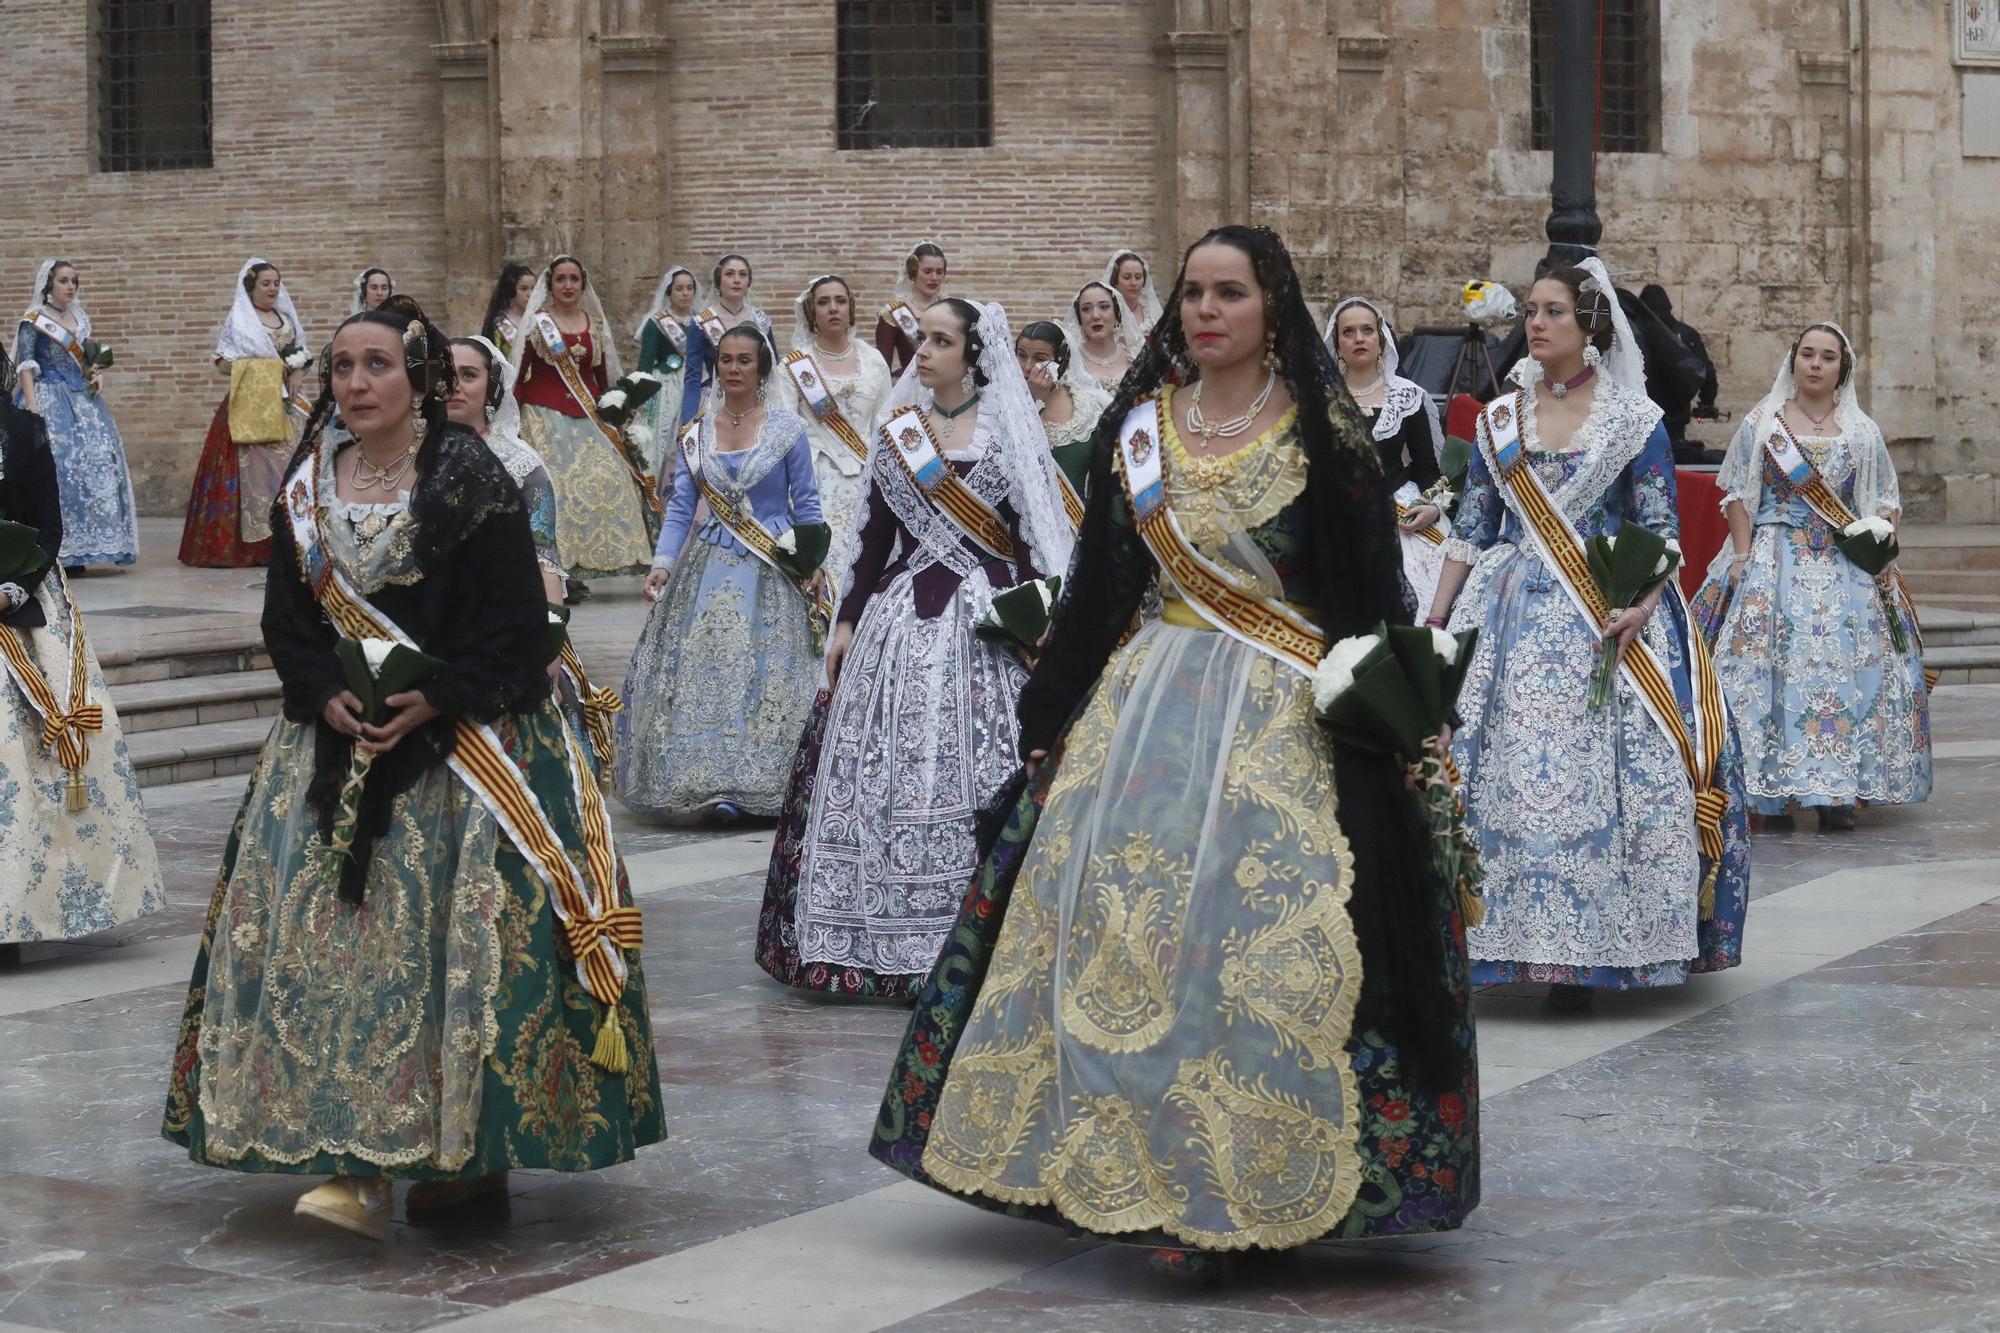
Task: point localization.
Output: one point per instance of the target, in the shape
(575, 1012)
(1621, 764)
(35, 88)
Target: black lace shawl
(1358, 570)
(478, 604)
(28, 495)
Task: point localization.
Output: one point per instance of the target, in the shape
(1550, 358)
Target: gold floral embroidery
(1285, 1174)
(1127, 931)
(1239, 491)
(994, 1094)
(1027, 953)
(1102, 1175)
(1294, 977)
(1282, 763)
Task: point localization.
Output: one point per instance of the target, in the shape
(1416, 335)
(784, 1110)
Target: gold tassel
(76, 799)
(610, 1054)
(1470, 910)
(1706, 903)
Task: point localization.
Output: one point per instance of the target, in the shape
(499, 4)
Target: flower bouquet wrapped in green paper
(622, 401)
(1627, 565)
(1871, 544)
(21, 551)
(374, 670)
(798, 554)
(1454, 461)
(1021, 614)
(97, 358)
(558, 631)
(1392, 692)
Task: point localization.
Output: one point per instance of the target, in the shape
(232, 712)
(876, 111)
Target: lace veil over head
(604, 347)
(243, 334)
(1403, 396)
(75, 310)
(358, 301)
(1133, 328)
(660, 298)
(802, 334)
(1625, 363)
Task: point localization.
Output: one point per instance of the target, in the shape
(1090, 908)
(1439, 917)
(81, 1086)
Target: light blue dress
(100, 520)
(1829, 711)
(1584, 817)
(725, 670)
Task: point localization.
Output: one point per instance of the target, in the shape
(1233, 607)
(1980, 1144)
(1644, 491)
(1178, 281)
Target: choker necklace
(735, 418)
(832, 355)
(1100, 361)
(949, 426)
(736, 314)
(1561, 388)
(1236, 425)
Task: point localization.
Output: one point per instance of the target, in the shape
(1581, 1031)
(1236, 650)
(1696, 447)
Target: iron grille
(1629, 107)
(152, 88)
(913, 74)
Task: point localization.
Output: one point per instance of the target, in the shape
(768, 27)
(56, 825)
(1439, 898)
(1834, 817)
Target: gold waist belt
(1178, 612)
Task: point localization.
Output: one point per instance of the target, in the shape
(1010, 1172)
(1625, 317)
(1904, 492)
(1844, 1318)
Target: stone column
(1204, 183)
(471, 216)
(635, 179)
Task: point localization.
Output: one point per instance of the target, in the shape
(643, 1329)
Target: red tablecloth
(1703, 527)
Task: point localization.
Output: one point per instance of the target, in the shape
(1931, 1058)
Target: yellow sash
(744, 527)
(1434, 534)
(810, 381)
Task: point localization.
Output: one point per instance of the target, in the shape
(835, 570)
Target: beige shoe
(360, 1206)
(436, 1196)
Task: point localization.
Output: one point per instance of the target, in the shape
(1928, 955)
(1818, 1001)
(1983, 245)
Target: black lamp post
(1573, 224)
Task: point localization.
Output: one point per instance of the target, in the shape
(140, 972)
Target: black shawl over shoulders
(1358, 571)
(478, 605)
(28, 495)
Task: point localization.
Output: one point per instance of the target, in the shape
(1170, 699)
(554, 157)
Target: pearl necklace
(832, 355)
(1100, 361)
(379, 478)
(1236, 425)
(1366, 389)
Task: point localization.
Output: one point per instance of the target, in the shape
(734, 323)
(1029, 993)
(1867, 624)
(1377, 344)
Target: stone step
(1968, 664)
(1928, 583)
(185, 701)
(197, 653)
(191, 753)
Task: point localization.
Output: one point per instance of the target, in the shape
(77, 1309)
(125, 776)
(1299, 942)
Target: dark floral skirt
(212, 536)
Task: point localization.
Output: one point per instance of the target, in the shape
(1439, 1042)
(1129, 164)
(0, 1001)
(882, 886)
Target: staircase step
(1928, 583)
(1969, 664)
(191, 753)
(186, 701)
(198, 653)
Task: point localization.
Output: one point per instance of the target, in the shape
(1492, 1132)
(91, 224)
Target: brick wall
(327, 161)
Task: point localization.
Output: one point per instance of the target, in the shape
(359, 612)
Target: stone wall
(327, 161)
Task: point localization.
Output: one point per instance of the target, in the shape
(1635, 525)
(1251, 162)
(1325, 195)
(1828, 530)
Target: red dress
(212, 538)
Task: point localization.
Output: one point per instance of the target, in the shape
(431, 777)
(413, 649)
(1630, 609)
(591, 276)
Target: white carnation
(612, 401)
(1877, 527)
(375, 652)
(1048, 599)
(1672, 554)
(638, 436)
(1336, 670)
(1444, 645)
(789, 543)
(555, 619)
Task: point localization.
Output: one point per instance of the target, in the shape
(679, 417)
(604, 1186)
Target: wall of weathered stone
(327, 161)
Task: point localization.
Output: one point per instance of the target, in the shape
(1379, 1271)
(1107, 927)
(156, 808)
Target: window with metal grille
(913, 74)
(150, 90)
(1628, 116)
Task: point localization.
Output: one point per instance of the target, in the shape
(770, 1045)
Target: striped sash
(810, 381)
(744, 527)
(66, 725)
(909, 438)
(53, 327)
(559, 354)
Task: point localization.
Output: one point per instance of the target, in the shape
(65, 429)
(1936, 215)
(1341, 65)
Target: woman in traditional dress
(920, 287)
(663, 347)
(372, 286)
(877, 839)
(564, 360)
(1613, 840)
(1069, 404)
(459, 992)
(1404, 424)
(1830, 711)
(1205, 992)
(838, 384)
(100, 522)
(1129, 275)
(731, 307)
(725, 667)
(1096, 321)
(507, 308)
(75, 853)
(262, 349)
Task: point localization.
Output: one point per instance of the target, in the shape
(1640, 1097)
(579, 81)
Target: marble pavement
(1803, 1143)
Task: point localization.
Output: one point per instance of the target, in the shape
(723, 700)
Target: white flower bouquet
(1871, 544)
(1022, 613)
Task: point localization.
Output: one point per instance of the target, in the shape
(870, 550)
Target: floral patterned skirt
(68, 873)
(1141, 1026)
(601, 515)
(438, 1031)
(100, 520)
(212, 537)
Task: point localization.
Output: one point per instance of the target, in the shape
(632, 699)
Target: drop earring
(1591, 356)
(1270, 349)
(965, 381)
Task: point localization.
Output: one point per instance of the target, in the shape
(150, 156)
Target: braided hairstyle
(1397, 907)
(967, 315)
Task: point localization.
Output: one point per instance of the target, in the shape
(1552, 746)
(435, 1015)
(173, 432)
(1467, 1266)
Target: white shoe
(361, 1206)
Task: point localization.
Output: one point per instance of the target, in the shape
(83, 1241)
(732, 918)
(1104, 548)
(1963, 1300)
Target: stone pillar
(1206, 182)
(635, 180)
(471, 214)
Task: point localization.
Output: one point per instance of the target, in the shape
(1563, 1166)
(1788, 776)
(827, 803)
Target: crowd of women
(1184, 972)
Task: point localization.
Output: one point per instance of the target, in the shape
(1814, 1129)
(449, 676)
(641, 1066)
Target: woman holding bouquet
(1403, 422)
(725, 668)
(1830, 702)
(75, 853)
(55, 359)
(663, 349)
(565, 357)
(1613, 838)
(434, 977)
(262, 349)
(1205, 926)
(878, 837)
(836, 384)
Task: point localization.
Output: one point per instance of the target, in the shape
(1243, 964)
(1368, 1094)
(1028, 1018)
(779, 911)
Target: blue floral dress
(1584, 817)
(100, 520)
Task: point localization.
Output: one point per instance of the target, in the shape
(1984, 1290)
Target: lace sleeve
(1878, 493)
(1741, 476)
(1109, 573)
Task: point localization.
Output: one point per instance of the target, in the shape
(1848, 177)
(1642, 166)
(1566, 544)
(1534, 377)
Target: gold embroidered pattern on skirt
(1128, 931)
(1101, 1174)
(994, 1096)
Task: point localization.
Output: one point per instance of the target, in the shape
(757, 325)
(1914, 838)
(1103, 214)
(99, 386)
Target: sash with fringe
(1562, 551)
(558, 353)
(810, 381)
(908, 436)
(1210, 589)
(596, 927)
(66, 725)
